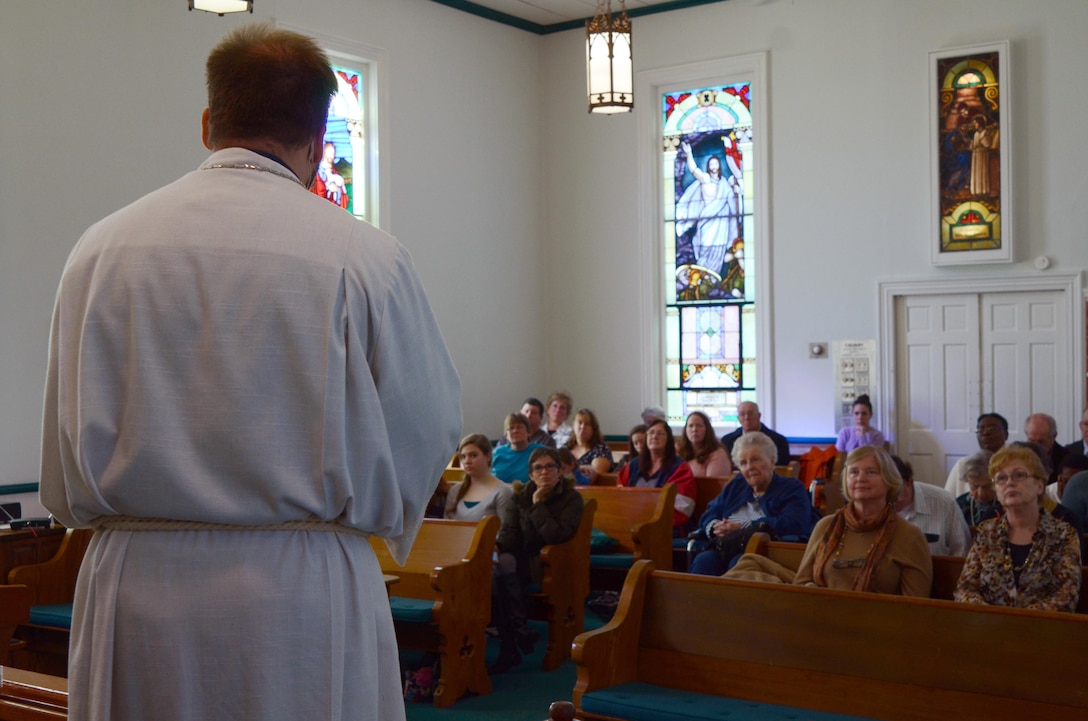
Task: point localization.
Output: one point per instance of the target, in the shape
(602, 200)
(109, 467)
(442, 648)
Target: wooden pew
(14, 611)
(442, 602)
(52, 586)
(707, 488)
(837, 652)
(563, 589)
(946, 569)
(639, 519)
(29, 696)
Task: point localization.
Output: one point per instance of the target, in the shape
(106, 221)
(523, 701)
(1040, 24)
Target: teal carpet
(522, 694)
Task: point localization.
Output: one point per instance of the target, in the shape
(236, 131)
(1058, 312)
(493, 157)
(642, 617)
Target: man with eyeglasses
(991, 431)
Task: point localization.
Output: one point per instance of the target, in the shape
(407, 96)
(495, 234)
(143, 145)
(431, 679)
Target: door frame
(1070, 285)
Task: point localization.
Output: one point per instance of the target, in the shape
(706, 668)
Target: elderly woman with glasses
(1026, 558)
(980, 502)
(544, 511)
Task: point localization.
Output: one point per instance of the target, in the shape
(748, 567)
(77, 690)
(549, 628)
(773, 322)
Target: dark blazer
(780, 443)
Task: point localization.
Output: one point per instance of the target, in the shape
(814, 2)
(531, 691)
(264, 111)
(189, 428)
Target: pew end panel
(608, 656)
(14, 612)
(449, 567)
(564, 588)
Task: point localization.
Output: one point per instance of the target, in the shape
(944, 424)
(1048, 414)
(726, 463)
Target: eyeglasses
(544, 467)
(988, 429)
(1017, 477)
(978, 486)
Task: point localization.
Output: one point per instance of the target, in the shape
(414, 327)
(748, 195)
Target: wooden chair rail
(803, 647)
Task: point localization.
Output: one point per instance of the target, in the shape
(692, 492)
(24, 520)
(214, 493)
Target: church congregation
(380, 377)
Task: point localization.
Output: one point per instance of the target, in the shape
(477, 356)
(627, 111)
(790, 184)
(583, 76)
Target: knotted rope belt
(132, 523)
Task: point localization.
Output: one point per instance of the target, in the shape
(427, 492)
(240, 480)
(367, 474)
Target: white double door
(963, 354)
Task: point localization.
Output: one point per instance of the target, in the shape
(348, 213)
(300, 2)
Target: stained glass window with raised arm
(709, 168)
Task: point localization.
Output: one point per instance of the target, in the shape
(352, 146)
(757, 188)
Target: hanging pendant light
(222, 7)
(609, 68)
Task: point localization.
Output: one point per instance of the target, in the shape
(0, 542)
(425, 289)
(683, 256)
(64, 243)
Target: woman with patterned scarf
(862, 547)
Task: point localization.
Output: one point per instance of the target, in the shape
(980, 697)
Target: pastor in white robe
(234, 349)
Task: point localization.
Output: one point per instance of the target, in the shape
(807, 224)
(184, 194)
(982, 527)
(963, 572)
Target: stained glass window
(342, 173)
(710, 290)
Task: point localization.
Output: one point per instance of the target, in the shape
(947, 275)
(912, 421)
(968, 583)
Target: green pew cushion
(611, 560)
(645, 702)
(601, 542)
(411, 610)
(58, 615)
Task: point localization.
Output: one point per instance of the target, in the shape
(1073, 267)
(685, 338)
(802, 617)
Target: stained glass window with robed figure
(710, 295)
(342, 173)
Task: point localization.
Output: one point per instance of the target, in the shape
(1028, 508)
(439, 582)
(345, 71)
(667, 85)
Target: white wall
(849, 176)
(101, 103)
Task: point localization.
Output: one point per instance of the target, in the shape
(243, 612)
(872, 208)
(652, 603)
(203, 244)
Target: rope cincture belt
(132, 523)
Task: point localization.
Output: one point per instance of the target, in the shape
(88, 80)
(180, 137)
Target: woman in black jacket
(544, 511)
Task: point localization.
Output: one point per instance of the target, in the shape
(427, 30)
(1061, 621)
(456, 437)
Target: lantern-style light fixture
(222, 7)
(608, 60)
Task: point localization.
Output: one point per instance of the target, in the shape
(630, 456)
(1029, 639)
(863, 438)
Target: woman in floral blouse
(1026, 558)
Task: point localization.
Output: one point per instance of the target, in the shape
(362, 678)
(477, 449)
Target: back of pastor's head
(266, 83)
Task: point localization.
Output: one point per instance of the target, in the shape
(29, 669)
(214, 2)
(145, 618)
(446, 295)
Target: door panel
(964, 354)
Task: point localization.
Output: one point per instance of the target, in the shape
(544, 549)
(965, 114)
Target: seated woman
(1026, 558)
(700, 447)
(510, 462)
(757, 500)
(864, 546)
(591, 453)
(861, 433)
(480, 494)
(659, 464)
(559, 406)
(544, 511)
(568, 468)
(636, 439)
(980, 502)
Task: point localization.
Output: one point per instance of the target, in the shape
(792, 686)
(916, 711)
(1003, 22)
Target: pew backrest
(440, 549)
(707, 488)
(946, 569)
(639, 519)
(872, 655)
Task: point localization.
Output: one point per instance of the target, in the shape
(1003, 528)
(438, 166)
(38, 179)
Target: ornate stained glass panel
(708, 167)
(342, 174)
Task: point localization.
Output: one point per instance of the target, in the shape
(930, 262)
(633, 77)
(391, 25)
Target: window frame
(650, 86)
(372, 63)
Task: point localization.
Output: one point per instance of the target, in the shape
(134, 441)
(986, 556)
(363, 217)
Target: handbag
(733, 543)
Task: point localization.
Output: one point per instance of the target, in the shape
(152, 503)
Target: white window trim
(649, 86)
(373, 63)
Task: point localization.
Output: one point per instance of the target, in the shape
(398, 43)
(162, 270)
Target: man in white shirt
(934, 512)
